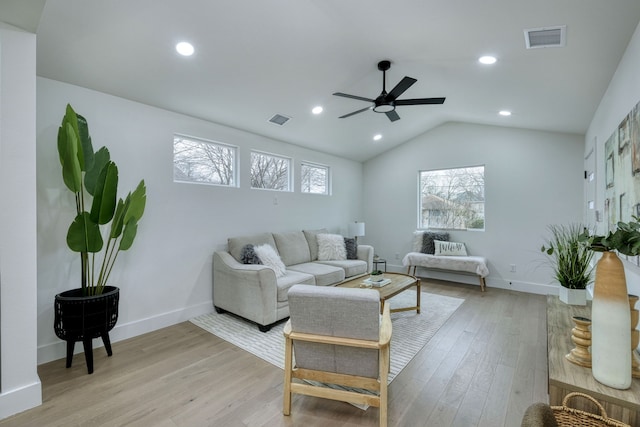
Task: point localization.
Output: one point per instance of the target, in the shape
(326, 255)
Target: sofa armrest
(365, 253)
(248, 290)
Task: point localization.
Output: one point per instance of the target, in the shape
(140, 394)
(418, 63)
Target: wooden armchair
(338, 338)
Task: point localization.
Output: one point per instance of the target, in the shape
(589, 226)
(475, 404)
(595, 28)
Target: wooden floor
(484, 367)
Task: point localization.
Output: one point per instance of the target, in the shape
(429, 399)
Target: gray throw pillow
(248, 255)
(352, 248)
(428, 247)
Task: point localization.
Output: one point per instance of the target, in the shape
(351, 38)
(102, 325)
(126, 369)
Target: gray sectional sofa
(253, 291)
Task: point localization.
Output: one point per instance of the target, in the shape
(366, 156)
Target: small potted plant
(376, 276)
(570, 256)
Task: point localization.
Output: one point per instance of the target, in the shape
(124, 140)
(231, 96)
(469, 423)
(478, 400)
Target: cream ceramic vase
(611, 324)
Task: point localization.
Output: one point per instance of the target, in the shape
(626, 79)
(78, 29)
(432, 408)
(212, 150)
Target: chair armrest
(385, 327)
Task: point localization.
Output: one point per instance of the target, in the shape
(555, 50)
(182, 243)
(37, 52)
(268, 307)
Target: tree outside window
(271, 172)
(314, 178)
(196, 160)
(452, 198)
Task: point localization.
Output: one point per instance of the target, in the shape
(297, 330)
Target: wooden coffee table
(399, 283)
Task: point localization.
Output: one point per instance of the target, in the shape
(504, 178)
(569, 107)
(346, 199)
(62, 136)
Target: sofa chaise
(257, 293)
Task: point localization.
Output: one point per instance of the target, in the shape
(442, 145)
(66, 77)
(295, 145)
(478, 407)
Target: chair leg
(70, 346)
(288, 365)
(87, 343)
(385, 366)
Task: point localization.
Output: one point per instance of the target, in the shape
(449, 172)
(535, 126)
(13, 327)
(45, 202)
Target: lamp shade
(356, 229)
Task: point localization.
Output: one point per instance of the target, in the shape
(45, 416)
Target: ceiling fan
(387, 102)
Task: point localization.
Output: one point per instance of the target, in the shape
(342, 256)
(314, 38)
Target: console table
(566, 377)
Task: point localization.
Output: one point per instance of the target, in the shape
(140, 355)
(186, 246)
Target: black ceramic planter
(83, 318)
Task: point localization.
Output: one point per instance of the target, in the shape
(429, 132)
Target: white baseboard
(19, 400)
(491, 282)
(58, 350)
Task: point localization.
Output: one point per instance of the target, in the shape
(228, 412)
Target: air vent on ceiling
(279, 119)
(545, 37)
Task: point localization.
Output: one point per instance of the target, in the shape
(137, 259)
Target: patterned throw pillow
(428, 237)
(351, 247)
(270, 258)
(248, 255)
(331, 247)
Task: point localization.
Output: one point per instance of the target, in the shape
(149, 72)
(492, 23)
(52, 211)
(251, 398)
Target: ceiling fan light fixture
(185, 48)
(384, 108)
(377, 137)
(317, 110)
(487, 60)
(504, 113)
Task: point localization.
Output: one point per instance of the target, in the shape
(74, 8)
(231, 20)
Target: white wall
(20, 387)
(621, 96)
(166, 276)
(532, 179)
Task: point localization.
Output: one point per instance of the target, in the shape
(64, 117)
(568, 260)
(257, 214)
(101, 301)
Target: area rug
(411, 331)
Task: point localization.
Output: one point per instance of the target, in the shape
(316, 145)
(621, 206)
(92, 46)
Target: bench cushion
(469, 264)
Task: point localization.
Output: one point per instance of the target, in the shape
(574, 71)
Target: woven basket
(566, 416)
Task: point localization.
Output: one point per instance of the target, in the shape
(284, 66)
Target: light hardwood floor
(484, 367)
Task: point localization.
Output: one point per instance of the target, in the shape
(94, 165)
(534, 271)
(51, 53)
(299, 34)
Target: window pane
(452, 198)
(269, 171)
(314, 179)
(196, 160)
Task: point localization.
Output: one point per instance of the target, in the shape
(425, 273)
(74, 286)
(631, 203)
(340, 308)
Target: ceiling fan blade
(404, 84)
(346, 95)
(393, 116)
(355, 112)
(419, 101)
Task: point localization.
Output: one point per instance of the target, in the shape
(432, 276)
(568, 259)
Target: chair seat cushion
(325, 275)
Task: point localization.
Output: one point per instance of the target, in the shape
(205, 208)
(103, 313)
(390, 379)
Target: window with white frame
(452, 198)
(202, 161)
(269, 171)
(314, 178)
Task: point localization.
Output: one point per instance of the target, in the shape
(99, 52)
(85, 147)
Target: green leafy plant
(376, 272)
(625, 239)
(93, 178)
(570, 255)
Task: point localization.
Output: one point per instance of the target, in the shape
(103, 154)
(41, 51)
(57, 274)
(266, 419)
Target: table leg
(418, 296)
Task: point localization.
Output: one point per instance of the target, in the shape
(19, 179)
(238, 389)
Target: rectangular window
(452, 198)
(198, 160)
(271, 172)
(314, 178)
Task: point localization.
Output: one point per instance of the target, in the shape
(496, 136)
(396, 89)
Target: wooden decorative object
(635, 337)
(581, 337)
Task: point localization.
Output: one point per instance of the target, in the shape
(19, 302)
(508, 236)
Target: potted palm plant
(91, 310)
(570, 256)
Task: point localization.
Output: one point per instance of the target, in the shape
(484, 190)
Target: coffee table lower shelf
(399, 283)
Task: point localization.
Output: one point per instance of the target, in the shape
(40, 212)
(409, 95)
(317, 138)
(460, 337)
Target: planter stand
(79, 318)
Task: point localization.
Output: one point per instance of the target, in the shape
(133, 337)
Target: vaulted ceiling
(254, 59)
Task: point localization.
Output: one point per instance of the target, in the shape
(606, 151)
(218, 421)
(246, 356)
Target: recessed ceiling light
(487, 60)
(377, 137)
(317, 110)
(504, 113)
(185, 49)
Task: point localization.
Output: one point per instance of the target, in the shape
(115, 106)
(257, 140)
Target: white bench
(475, 265)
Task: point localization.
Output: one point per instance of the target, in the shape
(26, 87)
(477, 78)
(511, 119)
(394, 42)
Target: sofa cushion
(292, 247)
(269, 257)
(288, 280)
(330, 247)
(312, 240)
(351, 267)
(236, 244)
(324, 274)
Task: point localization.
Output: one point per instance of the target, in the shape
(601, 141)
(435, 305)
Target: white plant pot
(573, 296)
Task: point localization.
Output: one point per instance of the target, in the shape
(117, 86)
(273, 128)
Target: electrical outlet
(275, 200)
(513, 268)
(397, 255)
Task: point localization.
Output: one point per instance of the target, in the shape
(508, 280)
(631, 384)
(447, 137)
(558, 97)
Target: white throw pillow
(450, 248)
(331, 247)
(270, 258)
(417, 240)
